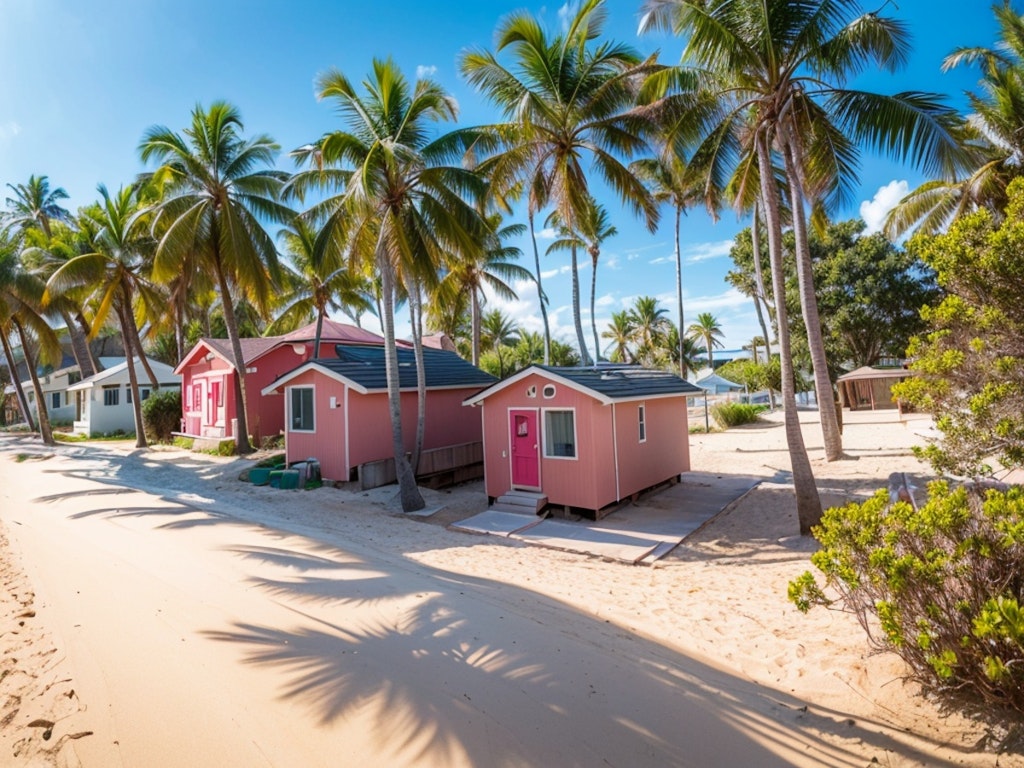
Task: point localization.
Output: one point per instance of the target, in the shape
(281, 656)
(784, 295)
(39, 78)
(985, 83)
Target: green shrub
(733, 414)
(943, 584)
(183, 442)
(161, 415)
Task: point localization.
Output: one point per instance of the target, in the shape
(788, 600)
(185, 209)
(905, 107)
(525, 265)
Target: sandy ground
(157, 612)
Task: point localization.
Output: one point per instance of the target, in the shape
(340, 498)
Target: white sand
(161, 613)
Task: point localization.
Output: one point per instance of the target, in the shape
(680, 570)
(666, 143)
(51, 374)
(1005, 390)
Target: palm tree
(620, 336)
(401, 207)
(707, 330)
(649, 324)
(594, 227)
(781, 68)
(21, 313)
(35, 205)
(113, 273)
(498, 331)
(315, 286)
(492, 267)
(567, 99)
(993, 136)
(217, 188)
(569, 240)
(755, 344)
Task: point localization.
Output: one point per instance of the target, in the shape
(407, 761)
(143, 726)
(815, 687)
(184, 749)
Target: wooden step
(527, 501)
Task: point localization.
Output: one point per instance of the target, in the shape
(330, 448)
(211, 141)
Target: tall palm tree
(217, 188)
(492, 266)
(315, 286)
(113, 273)
(993, 136)
(35, 206)
(568, 239)
(781, 71)
(649, 323)
(567, 98)
(593, 228)
(399, 202)
(497, 332)
(21, 313)
(708, 330)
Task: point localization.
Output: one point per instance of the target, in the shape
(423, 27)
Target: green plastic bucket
(275, 478)
(259, 475)
(289, 479)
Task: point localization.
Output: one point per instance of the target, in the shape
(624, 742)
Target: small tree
(161, 415)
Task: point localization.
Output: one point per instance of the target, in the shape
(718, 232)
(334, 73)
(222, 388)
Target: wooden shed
(336, 410)
(584, 438)
(868, 388)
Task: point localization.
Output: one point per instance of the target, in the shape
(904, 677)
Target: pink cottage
(584, 437)
(208, 377)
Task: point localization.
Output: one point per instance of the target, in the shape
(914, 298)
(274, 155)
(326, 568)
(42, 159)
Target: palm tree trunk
(409, 493)
(762, 294)
(809, 303)
(45, 431)
(79, 345)
(593, 300)
(127, 321)
(576, 319)
(12, 366)
(136, 342)
(474, 320)
(319, 332)
(242, 444)
(679, 293)
(416, 316)
(540, 294)
(808, 503)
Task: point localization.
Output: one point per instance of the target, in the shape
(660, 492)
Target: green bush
(733, 414)
(943, 584)
(161, 415)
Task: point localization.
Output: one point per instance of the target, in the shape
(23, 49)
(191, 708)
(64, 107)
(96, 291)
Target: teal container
(275, 478)
(259, 475)
(289, 479)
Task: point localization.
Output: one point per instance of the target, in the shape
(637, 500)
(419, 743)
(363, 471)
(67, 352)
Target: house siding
(327, 442)
(611, 463)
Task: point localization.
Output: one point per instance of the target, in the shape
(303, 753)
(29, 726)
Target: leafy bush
(183, 442)
(161, 415)
(733, 414)
(945, 585)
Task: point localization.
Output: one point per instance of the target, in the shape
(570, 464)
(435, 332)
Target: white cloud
(663, 260)
(550, 273)
(9, 130)
(611, 263)
(875, 210)
(730, 299)
(632, 257)
(423, 71)
(565, 14)
(707, 251)
(548, 233)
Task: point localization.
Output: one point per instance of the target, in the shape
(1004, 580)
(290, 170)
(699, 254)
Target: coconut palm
(568, 99)
(782, 68)
(649, 323)
(21, 313)
(35, 204)
(497, 332)
(620, 335)
(593, 227)
(567, 239)
(218, 186)
(493, 267)
(708, 330)
(403, 205)
(315, 286)
(113, 273)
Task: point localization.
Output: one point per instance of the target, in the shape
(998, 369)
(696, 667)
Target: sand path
(199, 621)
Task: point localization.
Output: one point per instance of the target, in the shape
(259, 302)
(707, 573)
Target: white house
(103, 402)
(60, 403)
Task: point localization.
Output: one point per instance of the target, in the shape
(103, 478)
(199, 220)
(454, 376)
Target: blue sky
(81, 82)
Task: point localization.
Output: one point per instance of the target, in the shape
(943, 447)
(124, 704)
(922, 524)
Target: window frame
(292, 391)
(642, 422)
(114, 390)
(55, 401)
(545, 442)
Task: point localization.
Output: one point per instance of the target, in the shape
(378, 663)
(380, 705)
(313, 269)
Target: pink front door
(525, 443)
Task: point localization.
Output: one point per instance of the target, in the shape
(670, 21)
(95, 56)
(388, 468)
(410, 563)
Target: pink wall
(369, 425)
(589, 481)
(197, 414)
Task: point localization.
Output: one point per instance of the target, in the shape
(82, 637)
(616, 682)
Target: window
(143, 393)
(531, 391)
(642, 410)
(548, 391)
(560, 434)
(128, 394)
(55, 400)
(301, 409)
(111, 395)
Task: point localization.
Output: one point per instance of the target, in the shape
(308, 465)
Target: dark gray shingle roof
(365, 366)
(622, 381)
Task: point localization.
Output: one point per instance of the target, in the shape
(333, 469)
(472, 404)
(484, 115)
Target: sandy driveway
(207, 623)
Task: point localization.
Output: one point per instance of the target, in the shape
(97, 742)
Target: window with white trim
(642, 417)
(55, 400)
(560, 434)
(548, 391)
(300, 409)
(112, 395)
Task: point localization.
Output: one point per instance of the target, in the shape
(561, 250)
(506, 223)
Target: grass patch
(183, 442)
(734, 414)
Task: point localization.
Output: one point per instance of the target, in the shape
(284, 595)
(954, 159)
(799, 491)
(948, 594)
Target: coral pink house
(336, 411)
(584, 437)
(208, 378)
